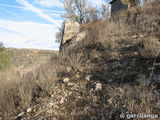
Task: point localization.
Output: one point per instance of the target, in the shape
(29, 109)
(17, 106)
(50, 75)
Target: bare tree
(60, 33)
(76, 10)
(105, 11)
(93, 14)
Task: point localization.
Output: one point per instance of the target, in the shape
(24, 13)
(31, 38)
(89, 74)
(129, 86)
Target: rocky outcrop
(71, 29)
(72, 34)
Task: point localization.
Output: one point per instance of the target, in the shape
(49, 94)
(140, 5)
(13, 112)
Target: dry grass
(19, 91)
(129, 27)
(151, 47)
(133, 34)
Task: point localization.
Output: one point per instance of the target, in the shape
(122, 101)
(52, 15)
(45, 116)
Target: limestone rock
(52, 96)
(77, 76)
(21, 116)
(22, 113)
(50, 104)
(69, 69)
(98, 87)
(62, 100)
(81, 36)
(88, 77)
(71, 30)
(29, 110)
(72, 34)
(110, 101)
(66, 80)
(70, 84)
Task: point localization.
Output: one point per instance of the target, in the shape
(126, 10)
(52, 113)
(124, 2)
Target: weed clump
(5, 57)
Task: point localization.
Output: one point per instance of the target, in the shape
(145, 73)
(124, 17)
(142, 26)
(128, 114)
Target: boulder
(82, 35)
(88, 77)
(71, 30)
(21, 116)
(98, 87)
(66, 80)
(29, 110)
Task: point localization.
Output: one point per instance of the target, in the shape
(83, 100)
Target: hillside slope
(25, 60)
(16, 78)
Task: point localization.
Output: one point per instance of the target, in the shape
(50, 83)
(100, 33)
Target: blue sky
(32, 23)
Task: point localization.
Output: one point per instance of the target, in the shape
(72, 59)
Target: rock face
(81, 35)
(71, 29)
(72, 34)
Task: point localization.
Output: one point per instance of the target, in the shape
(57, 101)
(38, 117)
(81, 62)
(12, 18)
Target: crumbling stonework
(81, 35)
(72, 34)
(71, 29)
(117, 5)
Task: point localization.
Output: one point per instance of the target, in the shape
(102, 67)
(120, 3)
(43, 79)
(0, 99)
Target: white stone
(62, 100)
(69, 84)
(49, 111)
(81, 36)
(136, 53)
(71, 30)
(141, 36)
(121, 90)
(110, 101)
(50, 104)
(66, 80)
(69, 69)
(52, 96)
(22, 113)
(29, 110)
(77, 76)
(135, 36)
(88, 77)
(98, 86)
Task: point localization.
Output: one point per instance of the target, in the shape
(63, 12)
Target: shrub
(5, 57)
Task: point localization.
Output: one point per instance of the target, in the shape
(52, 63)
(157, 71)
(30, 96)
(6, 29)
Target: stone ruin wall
(72, 34)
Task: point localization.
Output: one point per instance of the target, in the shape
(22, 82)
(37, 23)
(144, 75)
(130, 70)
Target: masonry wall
(117, 6)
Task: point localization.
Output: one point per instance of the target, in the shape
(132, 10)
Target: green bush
(5, 57)
(1, 47)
